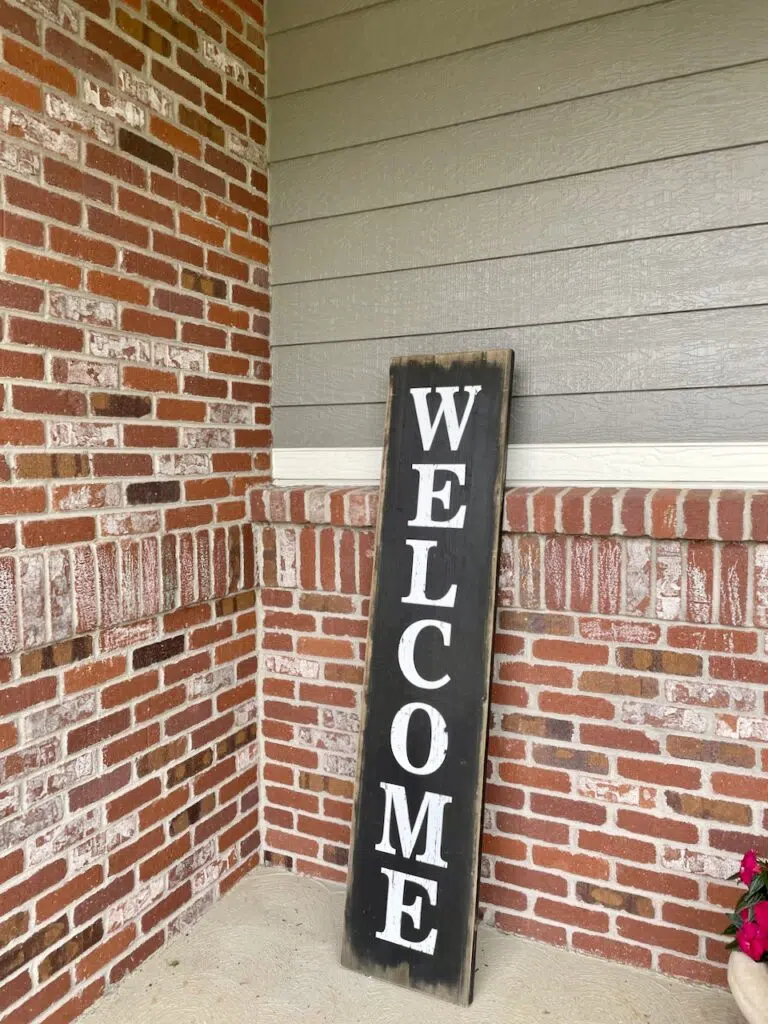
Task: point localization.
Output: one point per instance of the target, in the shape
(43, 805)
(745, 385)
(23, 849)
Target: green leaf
(732, 945)
(756, 885)
(731, 929)
(733, 877)
(752, 901)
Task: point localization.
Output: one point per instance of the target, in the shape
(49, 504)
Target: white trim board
(737, 464)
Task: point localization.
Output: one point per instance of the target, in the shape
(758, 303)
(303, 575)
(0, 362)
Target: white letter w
(446, 409)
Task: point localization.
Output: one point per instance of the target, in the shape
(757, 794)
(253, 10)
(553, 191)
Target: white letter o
(438, 742)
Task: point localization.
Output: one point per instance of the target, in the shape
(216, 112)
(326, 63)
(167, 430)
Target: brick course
(134, 417)
(628, 710)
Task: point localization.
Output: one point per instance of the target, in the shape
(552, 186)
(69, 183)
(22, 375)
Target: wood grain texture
(645, 417)
(711, 190)
(698, 271)
(686, 350)
(664, 41)
(383, 36)
(709, 111)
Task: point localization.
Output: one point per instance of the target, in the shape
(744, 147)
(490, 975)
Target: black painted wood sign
(412, 891)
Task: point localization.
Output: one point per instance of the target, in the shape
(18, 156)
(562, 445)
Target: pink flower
(753, 940)
(760, 913)
(750, 866)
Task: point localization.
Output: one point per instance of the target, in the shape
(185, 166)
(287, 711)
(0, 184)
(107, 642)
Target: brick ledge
(50, 596)
(659, 513)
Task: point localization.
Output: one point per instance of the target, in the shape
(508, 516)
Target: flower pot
(748, 982)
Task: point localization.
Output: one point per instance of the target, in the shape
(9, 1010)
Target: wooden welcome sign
(412, 893)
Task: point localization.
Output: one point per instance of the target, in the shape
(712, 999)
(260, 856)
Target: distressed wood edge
(506, 358)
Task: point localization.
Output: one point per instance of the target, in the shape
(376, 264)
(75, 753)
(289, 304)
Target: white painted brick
(82, 435)
(206, 437)
(50, 720)
(121, 832)
(207, 876)
(335, 764)
(715, 695)
(246, 713)
(39, 132)
(247, 150)
(107, 102)
(210, 682)
(17, 830)
(33, 600)
(58, 11)
(287, 575)
(60, 778)
(74, 116)
(699, 863)
(134, 905)
(184, 465)
(669, 571)
(220, 412)
(10, 801)
(283, 665)
(339, 720)
(145, 93)
(62, 598)
(320, 739)
(92, 374)
(64, 835)
(177, 357)
(80, 309)
(223, 61)
(9, 625)
(616, 792)
(194, 862)
(19, 160)
(121, 524)
(188, 918)
(120, 346)
(78, 497)
(247, 756)
(664, 717)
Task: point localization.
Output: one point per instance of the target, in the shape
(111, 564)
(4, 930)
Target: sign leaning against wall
(412, 891)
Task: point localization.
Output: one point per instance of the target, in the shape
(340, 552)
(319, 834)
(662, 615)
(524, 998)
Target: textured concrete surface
(269, 952)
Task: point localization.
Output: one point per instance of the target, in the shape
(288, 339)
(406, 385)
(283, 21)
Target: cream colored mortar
(269, 953)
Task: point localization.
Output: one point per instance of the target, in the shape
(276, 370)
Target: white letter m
(431, 810)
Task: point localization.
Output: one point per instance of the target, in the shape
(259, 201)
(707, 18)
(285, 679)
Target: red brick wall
(628, 739)
(135, 415)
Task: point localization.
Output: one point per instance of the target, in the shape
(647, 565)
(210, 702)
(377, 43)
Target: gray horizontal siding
(283, 15)
(710, 111)
(400, 32)
(699, 271)
(593, 195)
(688, 194)
(713, 415)
(697, 350)
(666, 40)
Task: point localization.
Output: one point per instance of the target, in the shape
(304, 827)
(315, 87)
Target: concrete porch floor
(268, 953)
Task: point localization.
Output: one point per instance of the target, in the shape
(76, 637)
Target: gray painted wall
(585, 181)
